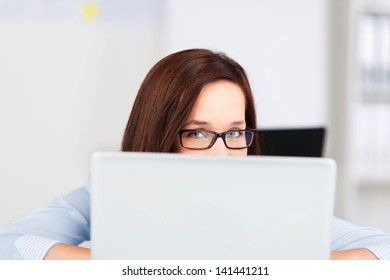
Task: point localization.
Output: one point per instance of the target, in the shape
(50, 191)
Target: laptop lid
(174, 206)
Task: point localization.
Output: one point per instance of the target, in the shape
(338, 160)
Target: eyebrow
(197, 122)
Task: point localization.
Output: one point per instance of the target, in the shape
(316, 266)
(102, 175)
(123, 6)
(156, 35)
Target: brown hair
(168, 94)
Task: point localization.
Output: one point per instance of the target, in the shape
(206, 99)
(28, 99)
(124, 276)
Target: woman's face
(220, 107)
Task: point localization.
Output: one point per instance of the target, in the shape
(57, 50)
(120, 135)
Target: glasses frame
(218, 135)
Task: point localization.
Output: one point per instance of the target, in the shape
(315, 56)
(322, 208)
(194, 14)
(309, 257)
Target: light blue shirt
(67, 220)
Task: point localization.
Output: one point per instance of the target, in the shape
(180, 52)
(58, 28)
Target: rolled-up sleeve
(67, 220)
(346, 236)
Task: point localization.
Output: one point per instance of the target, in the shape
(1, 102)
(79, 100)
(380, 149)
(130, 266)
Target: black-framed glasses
(200, 139)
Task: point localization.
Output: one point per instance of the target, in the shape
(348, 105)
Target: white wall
(66, 90)
(283, 45)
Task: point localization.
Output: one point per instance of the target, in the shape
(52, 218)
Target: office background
(70, 70)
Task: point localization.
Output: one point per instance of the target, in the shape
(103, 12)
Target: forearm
(353, 254)
(68, 252)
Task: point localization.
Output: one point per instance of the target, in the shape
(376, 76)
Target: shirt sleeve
(66, 220)
(346, 236)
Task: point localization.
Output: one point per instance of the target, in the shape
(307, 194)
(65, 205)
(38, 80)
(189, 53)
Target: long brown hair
(168, 94)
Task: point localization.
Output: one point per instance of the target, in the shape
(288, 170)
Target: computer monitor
(298, 142)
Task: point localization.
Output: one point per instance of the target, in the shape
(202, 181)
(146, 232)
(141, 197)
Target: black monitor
(300, 142)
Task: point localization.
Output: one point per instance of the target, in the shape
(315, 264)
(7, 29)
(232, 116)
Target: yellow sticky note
(90, 11)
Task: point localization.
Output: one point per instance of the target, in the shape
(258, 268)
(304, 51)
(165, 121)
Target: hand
(68, 252)
(353, 254)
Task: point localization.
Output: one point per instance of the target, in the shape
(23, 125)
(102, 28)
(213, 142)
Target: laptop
(155, 206)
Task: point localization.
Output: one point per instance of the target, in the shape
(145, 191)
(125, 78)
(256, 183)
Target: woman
(186, 103)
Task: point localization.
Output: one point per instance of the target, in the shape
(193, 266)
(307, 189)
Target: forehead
(219, 100)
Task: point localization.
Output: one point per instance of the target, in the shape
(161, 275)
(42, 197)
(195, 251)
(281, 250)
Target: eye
(197, 134)
(233, 134)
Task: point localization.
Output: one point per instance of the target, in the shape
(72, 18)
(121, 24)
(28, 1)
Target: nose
(219, 148)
